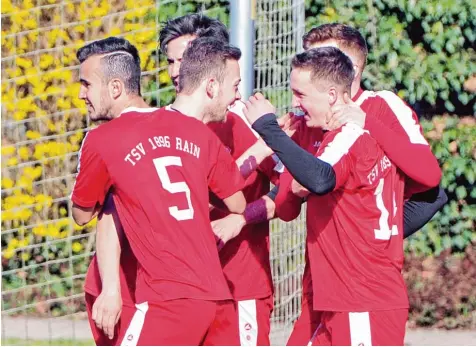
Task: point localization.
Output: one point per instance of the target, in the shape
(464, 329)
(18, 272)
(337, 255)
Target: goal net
(44, 254)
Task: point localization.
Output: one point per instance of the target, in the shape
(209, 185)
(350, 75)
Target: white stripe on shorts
(135, 327)
(248, 322)
(360, 334)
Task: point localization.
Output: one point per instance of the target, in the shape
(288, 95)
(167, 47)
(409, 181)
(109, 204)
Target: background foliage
(423, 50)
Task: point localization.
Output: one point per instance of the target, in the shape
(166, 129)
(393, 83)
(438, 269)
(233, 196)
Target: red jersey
(245, 259)
(160, 166)
(355, 233)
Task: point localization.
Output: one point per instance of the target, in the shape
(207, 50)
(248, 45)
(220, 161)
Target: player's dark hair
(121, 60)
(205, 58)
(192, 24)
(327, 64)
(345, 35)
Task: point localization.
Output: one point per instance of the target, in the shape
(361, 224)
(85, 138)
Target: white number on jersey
(176, 187)
(385, 231)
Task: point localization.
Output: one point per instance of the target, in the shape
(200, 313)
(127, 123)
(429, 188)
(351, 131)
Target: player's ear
(116, 88)
(332, 95)
(212, 88)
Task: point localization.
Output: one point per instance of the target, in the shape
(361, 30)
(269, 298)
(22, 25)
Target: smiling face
(226, 92)
(175, 49)
(94, 91)
(314, 98)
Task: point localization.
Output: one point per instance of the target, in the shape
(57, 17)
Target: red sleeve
(395, 127)
(288, 205)
(93, 180)
(224, 178)
(243, 137)
(336, 149)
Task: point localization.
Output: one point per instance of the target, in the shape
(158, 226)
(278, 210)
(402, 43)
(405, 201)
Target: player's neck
(190, 105)
(134, 101)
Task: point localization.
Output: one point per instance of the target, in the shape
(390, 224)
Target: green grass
(55, 342)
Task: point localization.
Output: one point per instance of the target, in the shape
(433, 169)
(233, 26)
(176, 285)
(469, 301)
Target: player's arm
(288, 205)
(249, 161)
(314, 174)
(107, 307)
(92, 182)
(224, 179)
(393, 124)
(421, 208)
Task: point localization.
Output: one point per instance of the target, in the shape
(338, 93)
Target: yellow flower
(39, 230)
(8, 150)
(13, 243)
(76, 247)
(30, 24)
(25, 256)
(32, 135)
(23, 62)
(12, 161)
(7, 183)
(9, 253)
(24, 153)
(63, 212)
(46, 60)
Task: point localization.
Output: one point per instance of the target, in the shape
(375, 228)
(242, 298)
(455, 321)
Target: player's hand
(256, 107)
(227, 228)
(289, 123)
(348, 112)
(299, 190)
(107, 310)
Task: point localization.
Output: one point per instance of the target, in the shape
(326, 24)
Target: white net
(44, 255)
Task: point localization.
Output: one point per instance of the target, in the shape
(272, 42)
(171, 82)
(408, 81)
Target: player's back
(161, 164)
(355, 236)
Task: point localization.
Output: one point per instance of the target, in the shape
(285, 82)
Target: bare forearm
(108, 252)
(249, 161)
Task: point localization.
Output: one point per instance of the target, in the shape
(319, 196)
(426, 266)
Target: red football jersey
(245, 259)
(160, 165)
(355, 233)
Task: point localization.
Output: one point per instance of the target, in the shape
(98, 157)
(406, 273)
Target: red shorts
(254, 321)
(306, 325)
(183, 322)
(99, 337)
(377, 328)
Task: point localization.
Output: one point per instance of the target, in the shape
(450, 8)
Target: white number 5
(176, 187)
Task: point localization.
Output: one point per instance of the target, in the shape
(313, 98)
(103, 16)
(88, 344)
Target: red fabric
(186, 322)
(357, 270)
(306, 325)
(245, 259)
(387, 328)
(395, 127)
(99, 337)
(264, 309)
(177, 254)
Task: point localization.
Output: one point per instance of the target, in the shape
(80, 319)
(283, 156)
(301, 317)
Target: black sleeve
(312, 173)
(421, 208)
(273, 192)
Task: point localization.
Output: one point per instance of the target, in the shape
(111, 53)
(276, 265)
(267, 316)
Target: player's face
(175, 49)
(313, 101)
(93, 91)
(228, 92)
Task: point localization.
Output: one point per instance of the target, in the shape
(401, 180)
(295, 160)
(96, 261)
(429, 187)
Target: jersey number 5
(176, 187)
(385, 230)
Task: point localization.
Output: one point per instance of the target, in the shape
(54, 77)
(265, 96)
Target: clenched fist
(256, 107)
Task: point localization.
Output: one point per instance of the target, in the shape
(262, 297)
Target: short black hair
(195, 24)
(327, 63)
(205, 57)
(121, 60)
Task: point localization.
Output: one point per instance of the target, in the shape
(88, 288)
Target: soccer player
(395, 127)
(159, 165)
(354, 213)
(239, 255)
(245, 257)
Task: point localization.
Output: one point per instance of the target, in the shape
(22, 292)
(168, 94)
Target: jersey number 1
(176, 187)
(385, 231)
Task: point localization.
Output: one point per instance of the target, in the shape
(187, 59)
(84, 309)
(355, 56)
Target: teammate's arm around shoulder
(92, 182)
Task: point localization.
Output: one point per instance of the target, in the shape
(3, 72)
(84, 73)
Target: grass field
(56, 342)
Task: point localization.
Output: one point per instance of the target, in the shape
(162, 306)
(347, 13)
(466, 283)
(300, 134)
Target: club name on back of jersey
(379, 169)
(152, 143)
